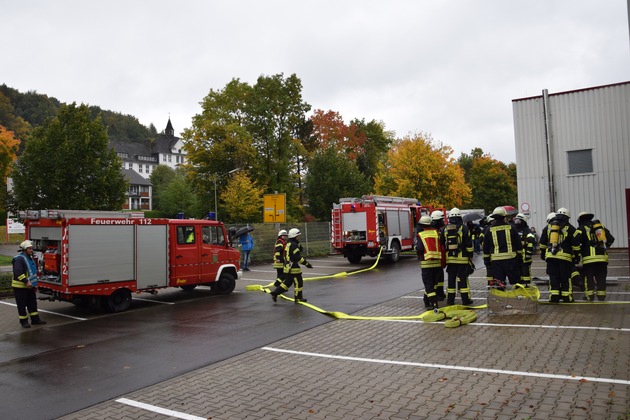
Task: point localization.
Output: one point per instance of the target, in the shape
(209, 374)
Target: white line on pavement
(159, 410)
(489, 324)
(454, 367)
(49, 312)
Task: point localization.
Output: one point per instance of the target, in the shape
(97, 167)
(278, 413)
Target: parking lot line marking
(489, 324)
(49, 312)
(159, 410)
(453, 367)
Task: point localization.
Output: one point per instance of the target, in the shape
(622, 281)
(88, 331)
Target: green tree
(68, 163)
(322, 186)
(422, 168)
(242, 200)
(178, 196)
(377, 142)
(161, 176)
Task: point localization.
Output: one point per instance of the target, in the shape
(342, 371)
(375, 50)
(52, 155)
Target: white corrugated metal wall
(594, 118)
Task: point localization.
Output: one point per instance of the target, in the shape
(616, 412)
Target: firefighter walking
(528, 242)
(24, 285)
(559, 247)
(430, 254)
(457, 242)
(502, 249)
(279, 252)
(292, 270)
(595, 239)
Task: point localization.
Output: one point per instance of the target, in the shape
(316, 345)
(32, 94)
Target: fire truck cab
(362, 226)
(89, 257)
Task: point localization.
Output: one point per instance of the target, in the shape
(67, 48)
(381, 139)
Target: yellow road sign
(274, 208)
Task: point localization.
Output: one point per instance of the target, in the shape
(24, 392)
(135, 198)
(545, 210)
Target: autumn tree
(323, 185)
(422, 168)
(242, 200)
(67, 163)
(492, 182)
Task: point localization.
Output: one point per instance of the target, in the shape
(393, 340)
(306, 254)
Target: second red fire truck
(362, 226)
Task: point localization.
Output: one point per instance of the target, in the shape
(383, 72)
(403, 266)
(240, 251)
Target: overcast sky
(448, 68)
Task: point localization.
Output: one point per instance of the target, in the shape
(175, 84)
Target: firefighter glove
(308, 265)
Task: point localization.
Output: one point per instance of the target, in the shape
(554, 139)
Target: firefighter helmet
(455, 212)
(521, 216)
(437, 215)
(499, 212)
(584, 215)
(425, 220)
(564, 211)
(294, 233)
(550, 217)
(282, 233)
(26, 244)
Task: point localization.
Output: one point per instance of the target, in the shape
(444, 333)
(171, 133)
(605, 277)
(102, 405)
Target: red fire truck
(362, 226)
(87, 257)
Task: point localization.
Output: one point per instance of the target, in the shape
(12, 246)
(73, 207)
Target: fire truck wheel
(188, 287)
(225, 285)
(354, 258)
(119, 301)
(395, 255)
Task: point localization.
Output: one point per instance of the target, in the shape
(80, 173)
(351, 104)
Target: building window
(169, 158)
(580, 161)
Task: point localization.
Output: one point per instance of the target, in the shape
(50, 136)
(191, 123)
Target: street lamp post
(216, 177)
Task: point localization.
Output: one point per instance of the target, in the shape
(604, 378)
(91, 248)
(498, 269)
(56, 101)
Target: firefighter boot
(24, 323)
(439, 291)
(466, 300)
(450, 299)
(36, 320)
(427, 302)
(274, 294)
(299, 298)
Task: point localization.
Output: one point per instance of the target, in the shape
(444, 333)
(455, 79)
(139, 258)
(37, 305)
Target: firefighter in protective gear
(502, 249)
(560, 248)
(278, 256)
(437, 221)
(595, 239)
(292, 271)
(484, 224)
(528, 242)
(457, 243)
(430, 254)
(24, 285)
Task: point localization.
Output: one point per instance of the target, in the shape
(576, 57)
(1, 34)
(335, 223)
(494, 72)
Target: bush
(5, 284)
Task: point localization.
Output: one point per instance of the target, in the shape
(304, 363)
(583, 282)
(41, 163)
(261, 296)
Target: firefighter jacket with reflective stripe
(464, 241)
(528, 242)
(568, 246)
(278, 254)
(591, 249)
(429, 248)
(501, 242)
(293, 257)
(24, 269)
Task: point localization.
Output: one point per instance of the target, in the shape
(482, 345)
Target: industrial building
(573, 151)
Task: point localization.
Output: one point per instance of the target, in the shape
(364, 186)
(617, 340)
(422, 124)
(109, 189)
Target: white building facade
(573, 151)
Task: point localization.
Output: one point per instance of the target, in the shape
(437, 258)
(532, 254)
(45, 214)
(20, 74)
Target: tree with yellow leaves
(8, 148)
(419, 167)
(242, 199)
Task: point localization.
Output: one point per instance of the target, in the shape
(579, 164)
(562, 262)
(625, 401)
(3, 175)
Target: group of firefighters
(575, 257)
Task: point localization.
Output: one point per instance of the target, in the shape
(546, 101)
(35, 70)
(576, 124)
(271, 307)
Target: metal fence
(315, 239)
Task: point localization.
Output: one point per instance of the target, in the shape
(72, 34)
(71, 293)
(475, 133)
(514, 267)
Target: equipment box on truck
(103, 257)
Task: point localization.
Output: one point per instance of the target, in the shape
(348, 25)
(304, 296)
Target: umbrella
(243, 231)
(471, 217)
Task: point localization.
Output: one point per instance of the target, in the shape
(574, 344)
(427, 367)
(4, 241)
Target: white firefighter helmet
(499, 212)
(437, 215)
(521, 216)
(550, 217)
(564, 211)
(282, 233)
(455, 212)
(425, 220)
(26, 244)
(294, 233)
